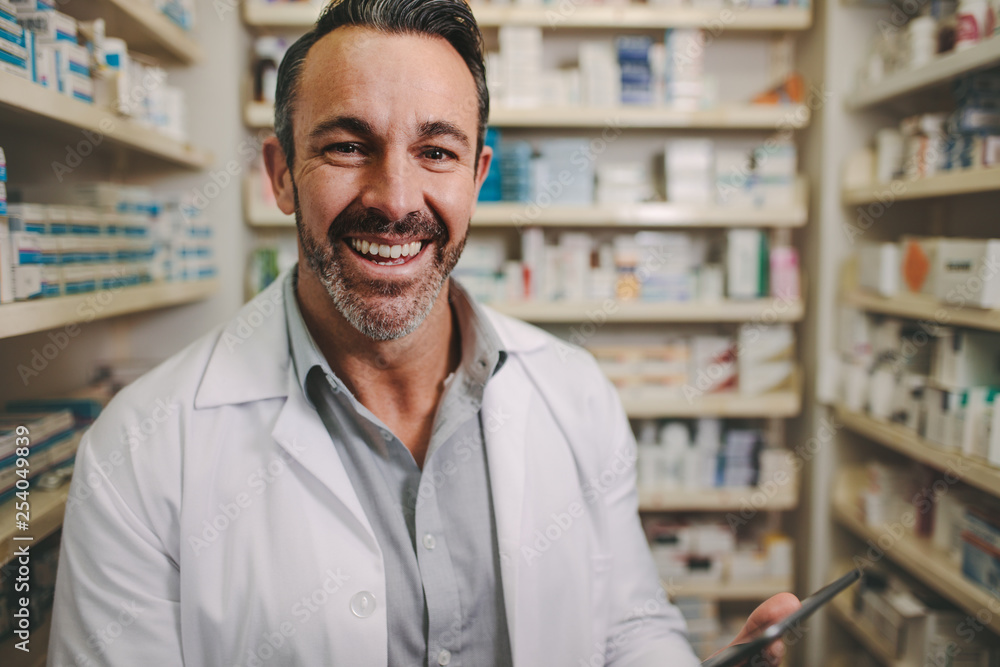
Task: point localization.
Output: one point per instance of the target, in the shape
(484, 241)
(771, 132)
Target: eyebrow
(443, 128)
(351, 124)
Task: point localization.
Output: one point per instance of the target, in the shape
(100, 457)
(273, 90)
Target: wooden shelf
(939, 71)
(841, 609)
(963, 182)
(651, 215)
(924, 561)
(730, 404)
(924, 307)
(47, 508)
(747, 116)
(42, 314)
(974, 472)
(750, 591)
(552, 312)
(303, 15)
(146, 29)
(785, 497)
(24, 101)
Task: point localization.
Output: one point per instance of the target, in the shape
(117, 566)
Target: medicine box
(878, 267)
(966, 272)
(966, 358)
(50, 25)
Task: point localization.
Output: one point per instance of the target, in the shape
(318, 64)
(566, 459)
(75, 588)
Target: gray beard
(380, 310)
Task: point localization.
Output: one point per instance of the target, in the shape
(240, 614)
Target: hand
(771, 611)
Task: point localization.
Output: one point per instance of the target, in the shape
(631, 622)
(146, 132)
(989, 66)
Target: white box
(49, 25)
(27, 281)
(966, 358)
(6, 265)
(746, 256)
(878, 267)
(966, 272)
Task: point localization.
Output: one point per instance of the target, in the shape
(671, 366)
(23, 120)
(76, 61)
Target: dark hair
(450, 19)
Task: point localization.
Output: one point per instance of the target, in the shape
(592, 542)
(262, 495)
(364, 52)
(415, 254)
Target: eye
(438, 154)
(343, 149)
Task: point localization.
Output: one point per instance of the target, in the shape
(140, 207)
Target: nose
(393, 186)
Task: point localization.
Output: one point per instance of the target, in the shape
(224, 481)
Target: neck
(401, 381)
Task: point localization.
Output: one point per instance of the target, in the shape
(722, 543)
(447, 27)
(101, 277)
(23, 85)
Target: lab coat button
(363, 604)
(444, 657)
(429, 541)
(387, 436)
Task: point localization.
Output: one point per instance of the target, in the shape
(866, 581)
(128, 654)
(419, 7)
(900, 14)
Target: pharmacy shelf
(781, 498)
(743, 117)
(842, 612)
(924, 307)
(45, 518)
(24, 101)
(922, 560)
(42, 314)
(963, 182)
(749, 591)
(941, 70)
(897, 437)
(776, 404)
(146, 29)
(636, 16)
(650, 215)
(552, 312)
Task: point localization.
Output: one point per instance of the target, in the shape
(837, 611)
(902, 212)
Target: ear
(280, 175)
(483, 167)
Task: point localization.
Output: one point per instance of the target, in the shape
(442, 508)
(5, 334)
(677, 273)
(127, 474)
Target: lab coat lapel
(300, 432)
(504, 415)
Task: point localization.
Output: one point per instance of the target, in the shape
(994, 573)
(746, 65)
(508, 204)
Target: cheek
(322, 197)
(453, 199)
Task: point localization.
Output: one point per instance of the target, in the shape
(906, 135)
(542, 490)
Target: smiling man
(378, 471)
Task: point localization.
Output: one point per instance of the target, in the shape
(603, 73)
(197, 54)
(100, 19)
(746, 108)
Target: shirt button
(363, 604)
(387, 436)
(429, 541)
(444, 657)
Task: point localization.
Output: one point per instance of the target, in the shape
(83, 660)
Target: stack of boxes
(636, 70)
(939, 381)
(14, 57)
(684, 83)
(955, 271)
(107, 237)
(56, 59)
(647, 266)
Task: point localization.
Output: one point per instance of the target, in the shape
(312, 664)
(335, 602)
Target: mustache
(418, 223)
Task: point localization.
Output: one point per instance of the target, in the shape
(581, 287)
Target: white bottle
(973, 19)
(676, 441)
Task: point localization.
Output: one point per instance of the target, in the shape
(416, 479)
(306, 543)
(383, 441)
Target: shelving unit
(41, 314)
(922, 560)
(922, 307)
(734, 117)
(841, 609)
(146, 29)
(967, 181)
(730, 591)
(651, 215)
(940, 71)
(973, 472)
(25, 103)
(303, 15)
(771, 310)
(720, 500)
(777, 405)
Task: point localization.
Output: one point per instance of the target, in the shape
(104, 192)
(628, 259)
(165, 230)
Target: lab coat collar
(250, 361)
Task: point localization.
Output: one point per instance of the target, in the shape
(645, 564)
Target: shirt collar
(482, 350)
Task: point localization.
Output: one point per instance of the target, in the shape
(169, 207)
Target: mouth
(386, 252)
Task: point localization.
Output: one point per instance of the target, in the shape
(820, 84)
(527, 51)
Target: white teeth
(364, 247)
(373, 249)
(395, 251)
(383, 251)
(414, 248)
(386, 251)
(405, 250)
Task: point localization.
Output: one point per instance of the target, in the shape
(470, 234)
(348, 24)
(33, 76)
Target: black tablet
(740, 653)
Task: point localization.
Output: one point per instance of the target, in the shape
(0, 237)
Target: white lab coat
(211, 522)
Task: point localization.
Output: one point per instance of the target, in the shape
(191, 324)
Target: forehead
(393, 81)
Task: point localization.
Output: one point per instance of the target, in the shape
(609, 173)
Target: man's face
(385, 175)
